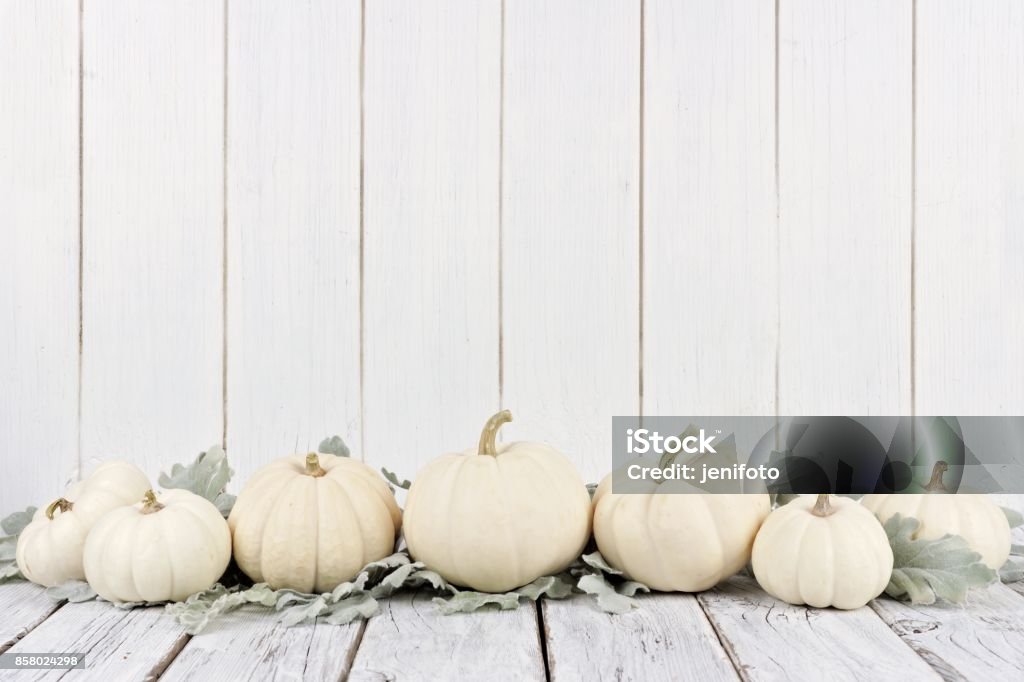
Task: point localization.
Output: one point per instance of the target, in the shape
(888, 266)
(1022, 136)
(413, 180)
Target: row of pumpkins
(492, 519)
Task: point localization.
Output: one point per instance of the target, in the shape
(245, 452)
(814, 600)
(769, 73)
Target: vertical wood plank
(845, 100)
(293, 228)
(710, 296)
(970, 208)
(38, 249)
(152, 220)
(432, 106)
(570, 230)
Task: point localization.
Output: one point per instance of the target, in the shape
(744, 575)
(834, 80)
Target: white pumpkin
(822, 552)
(311, 522)
(496, 517)
(49, 550)
(975, 518)
(161, 549)
(674, 541)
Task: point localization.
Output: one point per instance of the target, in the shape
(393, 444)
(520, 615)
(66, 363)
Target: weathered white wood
(153, 230)
(570, 252)
(970, 207)
(38, 250)
(432, 108)
(769, 639)
(292, 228)
(845, 127)
(411, 640)
(982, 641)
(24, 606)
(710, 232)
(118, 644)
(250, 643)
(667, 638)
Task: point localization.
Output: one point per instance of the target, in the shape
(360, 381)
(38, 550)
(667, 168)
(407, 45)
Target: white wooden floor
(733, 632)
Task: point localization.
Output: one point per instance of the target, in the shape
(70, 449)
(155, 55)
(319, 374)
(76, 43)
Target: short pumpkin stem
(489, 436)
(313, 467)
(822, 507)
(936, 485)
(61, 505)
(150, 504)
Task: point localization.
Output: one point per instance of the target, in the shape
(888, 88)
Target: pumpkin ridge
(344, 495)
(548, 479)
(454, 567)
(282, 495)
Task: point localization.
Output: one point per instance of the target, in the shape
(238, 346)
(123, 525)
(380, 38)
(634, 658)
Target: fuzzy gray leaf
(631, 587)
(8, 548)
(608, 599)
(392, 478)
(595, 560)
(1012, 571)
(347, 610)
(73, 591)
(1013, 517)
(927, 570)
(467, 602)
(551, 586)
(333, 446)
(225, 502)
(9, 571)
(206, 476)
(13, 524)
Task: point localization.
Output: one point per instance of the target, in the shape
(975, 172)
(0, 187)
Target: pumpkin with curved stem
(496, 517)
(160, 549)
(822, 551)
(311, 522)
(49, 550)
(975, 518)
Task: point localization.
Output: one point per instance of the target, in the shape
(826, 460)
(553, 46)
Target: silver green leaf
(608, 598)
(1013, 517)
(73, 591)
(15, 523)
(393, 479)
(207, 476)
(333, 446)
(12, 526)
(595, 560)
(925, 571)
(467, 602)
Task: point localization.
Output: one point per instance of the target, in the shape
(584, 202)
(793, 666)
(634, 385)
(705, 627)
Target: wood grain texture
(38, 250)
(411, 640)
(118, 644)
(24, 606)
(970, 208)
(153, 216)
(710, 233)
(982, 641)
(771, 640)
(432, 100)
(570, 267)
(251, 644)
(845, 127)
(292, 228)
(667, 637)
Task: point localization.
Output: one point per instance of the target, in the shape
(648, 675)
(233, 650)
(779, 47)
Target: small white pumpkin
(674, 541)
(311, 522)
(158, 550)
(975, 518)
(497, 517)
(822, 552)
(49, 550)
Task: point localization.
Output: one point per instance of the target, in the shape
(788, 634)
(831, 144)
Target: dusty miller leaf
(73, 591)
(927, 570)
(15, 523)
(333, 446)
(392, 478)
(608, 599)
(12, 525)
(467, 602)
(595, 560)
(207, 476)
(1013, 517)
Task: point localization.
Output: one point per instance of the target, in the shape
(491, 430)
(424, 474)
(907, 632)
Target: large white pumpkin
(311, 522)
(674, 541)
(822, 552)
(161, 549)
(49, 550)
(976, 518)
(496, 517)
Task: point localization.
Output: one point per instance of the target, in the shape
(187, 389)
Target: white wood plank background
(429, 211)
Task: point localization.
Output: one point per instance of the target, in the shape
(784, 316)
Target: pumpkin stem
(150, 503)
(935, 485)
(313, 467)
(822, 506)
(490, 433)
(61, 504)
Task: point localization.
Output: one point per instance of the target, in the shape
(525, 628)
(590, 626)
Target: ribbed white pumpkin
(161, 549)
(50, 548)
(975, 518)
(822, 552)
(674, 541)
(496, 517)
(311, 522)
